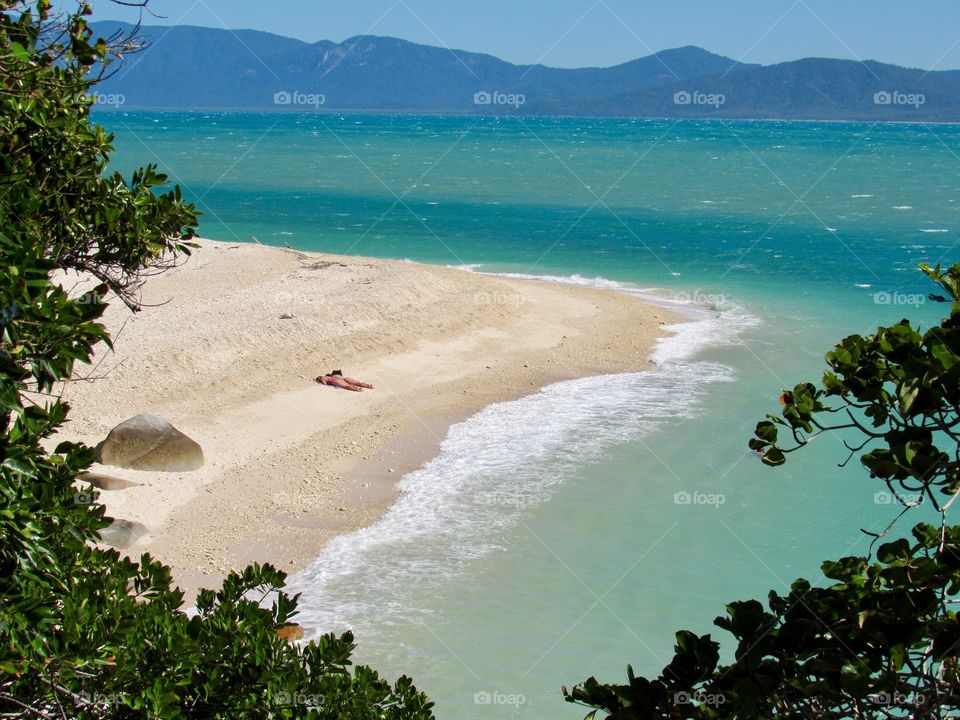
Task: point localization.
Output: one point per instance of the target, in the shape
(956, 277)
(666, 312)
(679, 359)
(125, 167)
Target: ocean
(574, 531)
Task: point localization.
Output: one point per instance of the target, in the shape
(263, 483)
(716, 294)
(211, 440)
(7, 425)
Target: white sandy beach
(290, 463)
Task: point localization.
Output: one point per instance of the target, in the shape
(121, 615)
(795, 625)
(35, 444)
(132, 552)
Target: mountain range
(197, 68)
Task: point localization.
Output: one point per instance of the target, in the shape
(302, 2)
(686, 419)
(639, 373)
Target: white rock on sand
(291, 463)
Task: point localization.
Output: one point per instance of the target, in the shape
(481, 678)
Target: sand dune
(290, 463)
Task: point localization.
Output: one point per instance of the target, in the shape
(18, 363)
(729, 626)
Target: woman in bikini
(336, 379)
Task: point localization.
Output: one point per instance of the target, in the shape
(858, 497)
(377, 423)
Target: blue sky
(577, 33)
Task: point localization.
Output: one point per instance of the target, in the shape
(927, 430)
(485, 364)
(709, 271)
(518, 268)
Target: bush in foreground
(85, 633)
(881, 638)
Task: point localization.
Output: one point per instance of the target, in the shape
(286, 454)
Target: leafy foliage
(52, 160)
(882, 639)
(84, 632)
(879, 642)
(900, 390)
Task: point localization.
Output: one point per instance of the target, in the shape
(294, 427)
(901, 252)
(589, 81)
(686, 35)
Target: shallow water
(571, 532)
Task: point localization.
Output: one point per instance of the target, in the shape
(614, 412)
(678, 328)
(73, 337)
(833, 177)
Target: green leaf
(19, 52)
(773, 457)
(893, 551)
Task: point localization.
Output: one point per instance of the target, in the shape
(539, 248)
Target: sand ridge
(290, 463)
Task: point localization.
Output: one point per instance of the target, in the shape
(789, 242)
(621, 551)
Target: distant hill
(197, 68)
(811, 89)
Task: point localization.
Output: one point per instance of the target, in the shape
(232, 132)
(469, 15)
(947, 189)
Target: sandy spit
(289, 463)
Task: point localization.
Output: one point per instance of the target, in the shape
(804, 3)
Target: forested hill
(193, 68)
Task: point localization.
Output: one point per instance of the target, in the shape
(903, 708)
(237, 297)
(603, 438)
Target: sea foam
(499, 465)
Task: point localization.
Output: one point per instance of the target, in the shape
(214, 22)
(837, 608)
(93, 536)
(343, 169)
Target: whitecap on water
(575, 279)
(469, 267)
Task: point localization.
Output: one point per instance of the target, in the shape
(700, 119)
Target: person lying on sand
(336, 379)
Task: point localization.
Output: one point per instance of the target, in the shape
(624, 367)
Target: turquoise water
(548, 541)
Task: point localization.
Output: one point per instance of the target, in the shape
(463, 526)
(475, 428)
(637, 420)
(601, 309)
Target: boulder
(106, 482)
(148, 442)
(121, 534)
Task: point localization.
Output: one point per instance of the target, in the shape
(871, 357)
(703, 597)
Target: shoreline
(291, 464)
